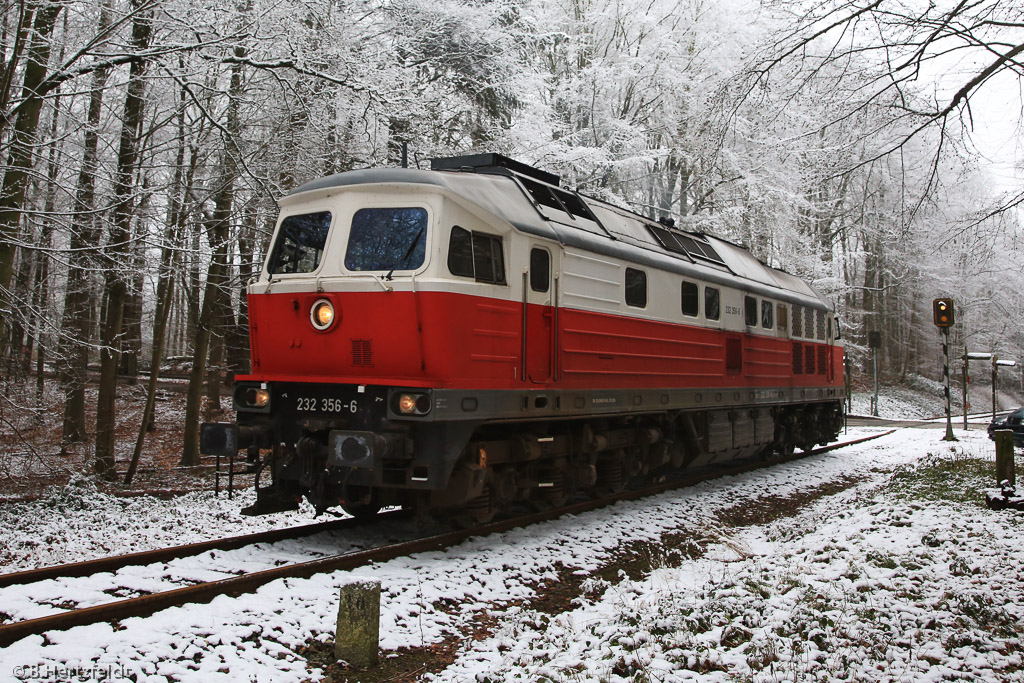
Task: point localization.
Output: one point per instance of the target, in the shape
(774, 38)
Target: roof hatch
(492, 163)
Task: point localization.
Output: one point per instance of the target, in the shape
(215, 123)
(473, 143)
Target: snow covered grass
(79, 522)
(877, 562)
(911, 580)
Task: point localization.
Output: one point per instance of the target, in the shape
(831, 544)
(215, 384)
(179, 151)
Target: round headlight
(407, 404)
(255, 398)
(322, 314)
(262, 398)
(413, 404)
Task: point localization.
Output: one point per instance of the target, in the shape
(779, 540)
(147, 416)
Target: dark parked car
(1014, 421)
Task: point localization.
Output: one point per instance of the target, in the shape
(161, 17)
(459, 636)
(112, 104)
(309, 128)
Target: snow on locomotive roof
(509, 194)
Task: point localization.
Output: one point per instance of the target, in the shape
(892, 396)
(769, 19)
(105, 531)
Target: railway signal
(942, 312)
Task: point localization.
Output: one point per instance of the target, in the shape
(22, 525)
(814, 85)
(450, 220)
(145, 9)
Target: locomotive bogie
(473, 341)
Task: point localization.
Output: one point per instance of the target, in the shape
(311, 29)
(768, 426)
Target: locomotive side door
(830, 340)
(540, 292)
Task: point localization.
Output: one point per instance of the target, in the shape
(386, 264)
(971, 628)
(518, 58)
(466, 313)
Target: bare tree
(84, 240)
(120, 237)
(16, 176)
(901, 53)
(217, 231)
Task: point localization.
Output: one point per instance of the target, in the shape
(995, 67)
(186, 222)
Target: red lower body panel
(447, 340)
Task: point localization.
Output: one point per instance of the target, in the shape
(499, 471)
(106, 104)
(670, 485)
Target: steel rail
(107, 564)
(247, 583)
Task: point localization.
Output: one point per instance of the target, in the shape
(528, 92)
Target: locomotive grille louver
(362, 352)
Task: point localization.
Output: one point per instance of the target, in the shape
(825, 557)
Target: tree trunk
(216, 278)
(118, 246)
(41, 283)
(131, 341)
(26, 15)
(12, 194)
(164, 290)
(78, 303)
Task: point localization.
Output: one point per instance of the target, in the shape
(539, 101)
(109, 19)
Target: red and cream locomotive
(474, 336)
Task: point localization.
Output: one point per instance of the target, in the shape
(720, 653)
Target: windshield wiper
(408, 253)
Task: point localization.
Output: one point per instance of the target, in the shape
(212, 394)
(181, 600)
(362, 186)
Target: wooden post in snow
(1004, 457)
(357, 636)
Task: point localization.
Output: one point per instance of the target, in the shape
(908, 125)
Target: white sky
(997, 133)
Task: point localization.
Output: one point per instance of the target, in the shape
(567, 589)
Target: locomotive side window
(766, 315)
(540, 269)
(712, 303)
(387, 239)
(636, 288)
(782, 317)
(300, 243)
(476, 255)
(460, 253)
(488, 259)
(750, 311)
(691, 299)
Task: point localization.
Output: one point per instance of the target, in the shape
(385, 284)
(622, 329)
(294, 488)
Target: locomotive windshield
(387, 239)
(300, 243)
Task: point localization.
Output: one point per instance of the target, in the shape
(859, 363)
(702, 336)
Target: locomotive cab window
(387, 239)
(750, 311)
(477, 255)
(766, 315)
(691, 299)
(300, 243)
(636, 288)
(712, 303)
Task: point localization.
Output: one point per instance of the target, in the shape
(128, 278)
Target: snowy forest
(144, 144)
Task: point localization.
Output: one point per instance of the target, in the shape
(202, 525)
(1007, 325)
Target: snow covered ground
(873, 563)
(920, 398)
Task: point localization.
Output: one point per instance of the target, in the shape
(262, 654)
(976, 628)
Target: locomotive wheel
(480, 510)
(610, 475)
(555, 494)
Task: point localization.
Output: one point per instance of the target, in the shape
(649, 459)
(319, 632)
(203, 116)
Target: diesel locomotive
(476, 336)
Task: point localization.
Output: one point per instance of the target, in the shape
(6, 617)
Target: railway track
(145, 605)
(109, 564)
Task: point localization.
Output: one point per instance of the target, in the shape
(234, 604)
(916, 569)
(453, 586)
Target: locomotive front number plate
(332, 399)
(312, 404)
